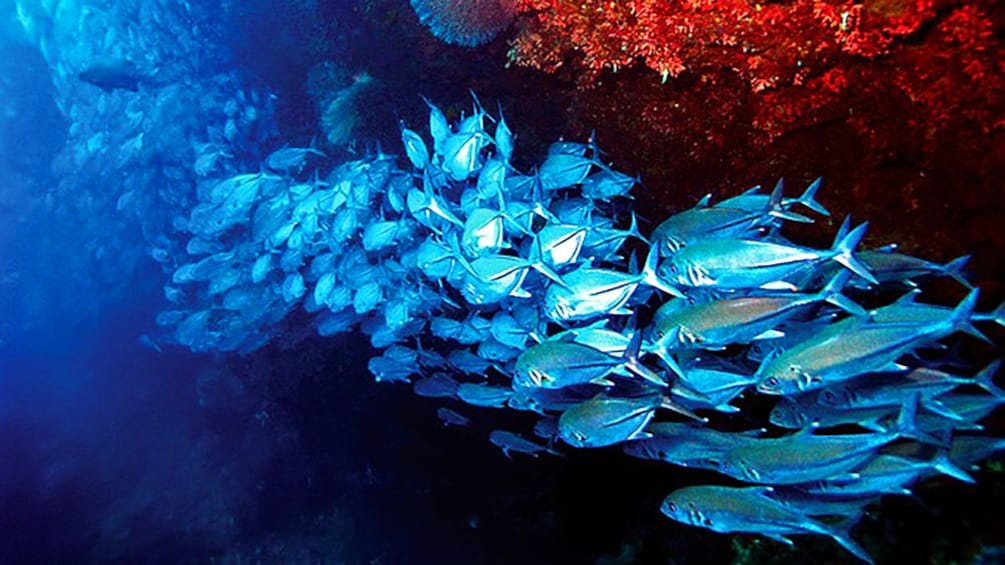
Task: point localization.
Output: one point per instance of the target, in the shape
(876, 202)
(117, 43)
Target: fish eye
(772, 382)
(672, 506)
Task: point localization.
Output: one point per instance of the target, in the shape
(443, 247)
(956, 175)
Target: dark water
(114, 451)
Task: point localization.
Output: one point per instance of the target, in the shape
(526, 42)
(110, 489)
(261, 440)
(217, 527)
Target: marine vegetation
(539, 292)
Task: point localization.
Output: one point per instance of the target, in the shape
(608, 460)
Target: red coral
(905, 91)
(808, 60)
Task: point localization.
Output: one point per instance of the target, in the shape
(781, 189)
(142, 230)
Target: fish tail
(997, 315)
(906, 424)
(843, 538)
(458, 255)
(671, 404)
(832, 294)
(548, 272)
(776, 206)
(633, 230)
(845, 244)
(631, 358)
(957, 270)
(962, 317)
(943, 464)
(808, 198)
(985, 379)
(652, 279)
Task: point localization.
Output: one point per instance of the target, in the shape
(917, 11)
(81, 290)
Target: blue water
(119, 447)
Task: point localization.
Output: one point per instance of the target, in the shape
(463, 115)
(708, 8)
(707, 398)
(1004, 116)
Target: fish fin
(936, 407)
(520, 292)
(652, 279)
(775, 198)
(725, 408)
(872, 424)
(943, 464)
(769, 334)
(961, 318)
(891, 367)
(808, 198)
(706, 200)
(633, 230)
(631, 358)
(832, 294)
(845, 244)
(908, 298)
(779, 285)
(985, 379)
(997, 315)
(458, 255)
(671, 404)
(777, 209)
(957, 270)
(780, 538)
(548, 272)
(906, 424)
(840, 534)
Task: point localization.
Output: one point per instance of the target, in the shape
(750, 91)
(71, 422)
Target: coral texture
(465, 22)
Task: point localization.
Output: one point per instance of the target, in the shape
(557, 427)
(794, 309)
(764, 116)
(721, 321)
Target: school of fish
(537, 291)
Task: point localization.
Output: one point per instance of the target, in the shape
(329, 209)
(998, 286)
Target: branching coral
(802, 56)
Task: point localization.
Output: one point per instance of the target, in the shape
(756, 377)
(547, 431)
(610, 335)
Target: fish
(415, 148)
(600, 422)
(802, 411)
(387, 369)
(451, 418)
(559, 364)
(928, 383)
(439, 385)
(805, 457)
(510, 442)
(112, 76)
(890, 266)
(718, 323)
(749, 510)
(688, 444)
(852, 347)
(520, 290)
(751, 200)
(588, 293)
(721, 222)
(736, 264)
(563, 170)
(484, 395)
(290, 159)
(886, 474)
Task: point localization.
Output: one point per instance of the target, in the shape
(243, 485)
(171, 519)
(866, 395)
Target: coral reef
(910, 91)
(465, 22)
